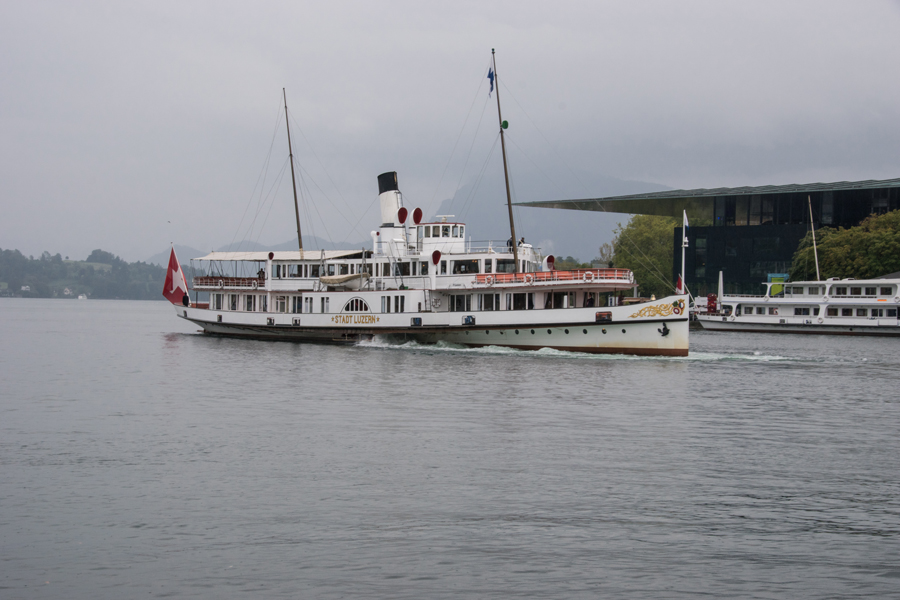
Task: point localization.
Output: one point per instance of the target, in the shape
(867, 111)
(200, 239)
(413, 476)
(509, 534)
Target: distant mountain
(186, 253)
(555, 231)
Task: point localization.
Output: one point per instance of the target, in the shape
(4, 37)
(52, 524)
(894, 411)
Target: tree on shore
(868, 250)
(645, 245)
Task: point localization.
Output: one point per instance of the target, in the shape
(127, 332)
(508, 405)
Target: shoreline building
(748, 233)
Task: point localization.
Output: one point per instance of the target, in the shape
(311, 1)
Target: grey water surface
(139, 459)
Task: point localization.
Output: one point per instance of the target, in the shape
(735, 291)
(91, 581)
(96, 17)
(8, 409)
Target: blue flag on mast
(491, 77)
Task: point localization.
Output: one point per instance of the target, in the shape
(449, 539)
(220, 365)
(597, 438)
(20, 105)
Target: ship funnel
(389, 197)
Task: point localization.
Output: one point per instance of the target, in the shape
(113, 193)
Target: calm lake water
(139, 459)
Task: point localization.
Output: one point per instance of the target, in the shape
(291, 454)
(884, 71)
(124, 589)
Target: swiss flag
(175, 289)
(679, 287)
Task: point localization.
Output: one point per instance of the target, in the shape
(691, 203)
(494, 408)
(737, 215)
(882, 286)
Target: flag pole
(512, 223)
(683, 246)
(293, 181)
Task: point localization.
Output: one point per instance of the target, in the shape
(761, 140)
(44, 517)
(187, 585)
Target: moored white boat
(835, 306)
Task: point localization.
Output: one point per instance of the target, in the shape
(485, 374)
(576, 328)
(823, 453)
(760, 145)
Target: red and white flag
(175, 289)
(679, 287)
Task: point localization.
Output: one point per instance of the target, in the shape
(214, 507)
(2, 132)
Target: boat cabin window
(885, 291)
(523, 301)
(892, 312)
(296, 304)
(460, 302)
(445, 231)
(443, 267)
(488, 263)
(385, 304)
(877, 312)
(801, 312)
(462, 231)
(343, 269)
(330, 270)
(307, 305)
(797, 290)
(281, 304)
(217, 301)
(506, 265)
(489, 302)
(315, 271)
(465, 267)
(356, 305)
(773, 310)
(846, 312)
(232, 301)
(856, 291)
(840, 291)
(813, 291)
(324, 303)
(760, 310)
(870, 291)
(861, 312)
(456, 231)
(832, 312)
(423, 268)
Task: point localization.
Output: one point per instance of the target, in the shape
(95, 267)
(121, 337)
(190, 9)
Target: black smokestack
(387, 182)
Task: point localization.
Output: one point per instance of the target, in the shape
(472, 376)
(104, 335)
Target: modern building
(749, 233)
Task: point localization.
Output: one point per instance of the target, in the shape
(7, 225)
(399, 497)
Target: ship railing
(219, 283)
(574, 275)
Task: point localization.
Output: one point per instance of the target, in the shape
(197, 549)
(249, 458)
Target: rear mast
(293, 180)
(504, 125)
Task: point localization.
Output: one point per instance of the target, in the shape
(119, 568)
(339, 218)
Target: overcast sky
(129, 125)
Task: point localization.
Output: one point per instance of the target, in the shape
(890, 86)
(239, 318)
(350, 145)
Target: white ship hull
(645, 329)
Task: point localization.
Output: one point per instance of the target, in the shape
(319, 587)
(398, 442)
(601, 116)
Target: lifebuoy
(732, 317)
(221, 284)
(585, 279)
(821, 320)
(529, 278)
(255, 284)
(489, 280)
(765, 298)
(825, 298)
(896, 298)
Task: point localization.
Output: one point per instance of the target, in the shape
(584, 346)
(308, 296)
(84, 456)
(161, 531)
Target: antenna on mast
(504, 125)
(293, 180)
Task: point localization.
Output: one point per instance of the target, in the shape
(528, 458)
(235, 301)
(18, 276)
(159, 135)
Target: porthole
(532, 332)
(501, 333)
(604, 331)
(567, 331)
(623, 331)
(486, 332)
(585, 331)
(517, 332)
(467, 333)
(548, 331)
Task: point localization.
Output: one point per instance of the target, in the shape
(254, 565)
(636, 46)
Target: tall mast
(512, 223)
(293, 180)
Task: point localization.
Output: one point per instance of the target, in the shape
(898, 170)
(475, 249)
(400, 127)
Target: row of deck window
(840, 290)
(803, 311)
(400, 268)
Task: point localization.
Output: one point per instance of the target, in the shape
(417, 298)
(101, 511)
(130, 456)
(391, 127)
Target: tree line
(101, 275)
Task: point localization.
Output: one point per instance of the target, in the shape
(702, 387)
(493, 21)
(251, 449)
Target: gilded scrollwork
(659, 310)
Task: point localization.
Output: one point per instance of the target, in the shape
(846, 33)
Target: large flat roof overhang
(671, 203)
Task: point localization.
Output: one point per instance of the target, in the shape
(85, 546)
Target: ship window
(846, 312)
(856, 291)
(281, 304)
(798, 290)
(885, 291)
(773, 310)
(813, 291)
(816, 311)
(861, 312)
(760, 310)
(870, 291)
(399, 302)
(832, 312)
(506, 265)
(233, 301)
(356, 305)
(455, 231)
(462, 231)
(465, 267)
(315, 271)
(445, 231)
(217, 301)
(877, 312)
(892, 312)
(488, 263)
(343, 269)
(423, 268)
(296, 304)
(840, 291)
(443, 267)
(519, 301)
(509, 302)
(330, 270)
